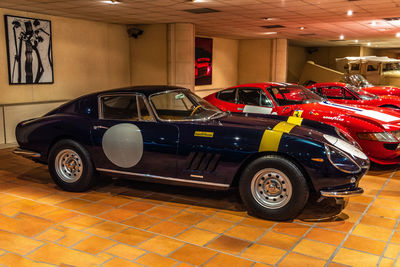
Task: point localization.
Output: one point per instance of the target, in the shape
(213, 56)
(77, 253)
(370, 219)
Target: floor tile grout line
(388, 242)
(340, 246)
(294, 245)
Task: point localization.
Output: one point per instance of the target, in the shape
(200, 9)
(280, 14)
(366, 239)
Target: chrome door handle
(96, 127)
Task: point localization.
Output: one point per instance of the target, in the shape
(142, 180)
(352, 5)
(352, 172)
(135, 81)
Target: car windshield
(364, 95)
(356, 80)
(182, 105)
(292, 95)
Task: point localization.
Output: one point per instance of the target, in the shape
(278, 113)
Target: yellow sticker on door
(297, 113)
(204, 134)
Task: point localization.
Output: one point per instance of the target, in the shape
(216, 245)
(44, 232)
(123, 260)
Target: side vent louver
(199, 161)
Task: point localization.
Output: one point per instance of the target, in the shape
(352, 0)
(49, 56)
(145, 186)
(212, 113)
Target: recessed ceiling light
(373, 23)
(398, 34)
(341, 37)
(111, 2)
(302, 28)
(349, 12)
(369, 44)
(356, 41)
(269, 33)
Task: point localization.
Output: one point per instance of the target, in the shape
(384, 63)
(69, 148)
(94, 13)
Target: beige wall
(225, 65)
(296, 60)
(254, 60)
(148, 55)
(88, 56)
(326, 56)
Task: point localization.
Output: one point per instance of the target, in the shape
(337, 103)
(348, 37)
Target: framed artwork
(29, 50)
(203, 61)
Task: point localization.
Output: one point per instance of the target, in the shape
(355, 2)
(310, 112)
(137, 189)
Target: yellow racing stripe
(271, 138)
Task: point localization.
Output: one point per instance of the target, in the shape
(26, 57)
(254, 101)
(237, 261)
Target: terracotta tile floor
(124, 223)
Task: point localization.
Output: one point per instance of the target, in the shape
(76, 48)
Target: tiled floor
(127, 223)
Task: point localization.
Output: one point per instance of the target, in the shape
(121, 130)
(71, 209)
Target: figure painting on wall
(203, 61)
(29, 50)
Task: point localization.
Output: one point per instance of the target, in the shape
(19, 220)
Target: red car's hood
(383, 116)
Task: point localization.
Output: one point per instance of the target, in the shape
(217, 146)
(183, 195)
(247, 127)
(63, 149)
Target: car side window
(124, 107)
(253, 96)
(227, 95)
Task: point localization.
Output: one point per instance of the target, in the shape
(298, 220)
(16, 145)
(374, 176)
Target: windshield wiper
(213, 116)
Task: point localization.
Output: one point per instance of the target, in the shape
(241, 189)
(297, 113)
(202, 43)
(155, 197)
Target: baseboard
(3, 146)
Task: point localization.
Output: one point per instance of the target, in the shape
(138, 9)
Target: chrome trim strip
(26, 153)
(345, 193)
(163, 178)
(197, 176)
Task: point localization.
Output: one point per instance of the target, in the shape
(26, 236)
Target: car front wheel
(70, 166)
(273, 188)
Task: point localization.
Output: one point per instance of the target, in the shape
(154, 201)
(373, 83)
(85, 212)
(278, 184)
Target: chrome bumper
(342, 193)
(26, 153)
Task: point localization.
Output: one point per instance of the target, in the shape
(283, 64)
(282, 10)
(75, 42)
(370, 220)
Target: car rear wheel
(273, 188)
(70, 166)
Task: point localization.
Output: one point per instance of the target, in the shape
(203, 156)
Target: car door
(337, 94)
(128, 139)
(253, 100)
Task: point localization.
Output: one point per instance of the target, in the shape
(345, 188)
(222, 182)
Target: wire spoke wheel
(68, 165)
(271, 188)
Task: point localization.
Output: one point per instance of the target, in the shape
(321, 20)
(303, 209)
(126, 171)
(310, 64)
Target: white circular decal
(123, 145)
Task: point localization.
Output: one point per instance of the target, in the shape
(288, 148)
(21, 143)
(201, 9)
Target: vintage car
(169, 135)
(359, 81)
(376, 130)
(347, 94)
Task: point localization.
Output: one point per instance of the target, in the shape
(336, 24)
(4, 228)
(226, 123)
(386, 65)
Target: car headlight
(346, 137)
(396, 134)
(341, 161)
(382, 137)
(345, 146)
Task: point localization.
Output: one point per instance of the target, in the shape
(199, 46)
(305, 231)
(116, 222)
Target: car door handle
(96, 127)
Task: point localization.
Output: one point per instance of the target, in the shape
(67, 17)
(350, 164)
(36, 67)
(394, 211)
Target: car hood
(375, 115)
(308, 129)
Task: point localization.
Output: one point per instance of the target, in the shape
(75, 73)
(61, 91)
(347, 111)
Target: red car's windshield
(364, 95)
(292, 95)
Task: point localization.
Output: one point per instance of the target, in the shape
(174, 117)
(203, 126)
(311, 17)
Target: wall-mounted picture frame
(203, 60)
(29, 50)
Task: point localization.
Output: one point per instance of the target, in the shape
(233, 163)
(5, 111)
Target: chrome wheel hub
(68, 165)
(271, 188)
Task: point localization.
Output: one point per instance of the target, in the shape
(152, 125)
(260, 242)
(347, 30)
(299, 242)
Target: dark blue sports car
(168, 134)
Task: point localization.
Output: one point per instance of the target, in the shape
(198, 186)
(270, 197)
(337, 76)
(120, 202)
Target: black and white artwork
(29, 50)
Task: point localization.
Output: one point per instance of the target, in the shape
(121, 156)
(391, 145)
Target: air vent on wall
(201, 10)
(392, 19)
(353, 0)
(272, 26)
(307, 34)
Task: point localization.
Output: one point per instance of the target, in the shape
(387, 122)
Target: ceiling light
(269, 33)
(398, 35)
(302, 28)
(349, 12)
(373, 23)
(269, 19)
(356, 41)
(111, 2)
(341, 37)
(369, 44)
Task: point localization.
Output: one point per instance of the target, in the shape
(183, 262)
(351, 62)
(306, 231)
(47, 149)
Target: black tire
(70, 166)
(279, 176)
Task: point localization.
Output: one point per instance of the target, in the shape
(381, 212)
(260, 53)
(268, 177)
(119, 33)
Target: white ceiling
(240, 19)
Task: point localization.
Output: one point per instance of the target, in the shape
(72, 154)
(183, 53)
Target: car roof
(329, 84)
(266, 84)
(142, 89)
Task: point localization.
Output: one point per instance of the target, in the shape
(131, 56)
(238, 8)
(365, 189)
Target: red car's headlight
(382, 137)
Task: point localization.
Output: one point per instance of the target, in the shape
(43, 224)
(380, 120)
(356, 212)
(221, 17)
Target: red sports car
(359, 81)
(377, 130)
(348, 94)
